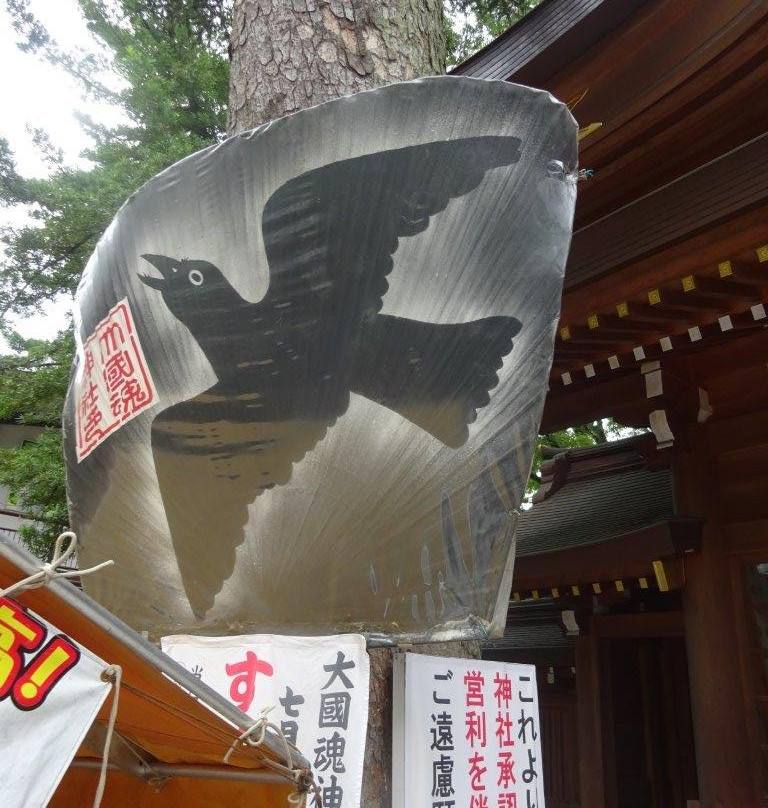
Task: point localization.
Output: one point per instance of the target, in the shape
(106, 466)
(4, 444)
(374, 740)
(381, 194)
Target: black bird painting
(287, 364)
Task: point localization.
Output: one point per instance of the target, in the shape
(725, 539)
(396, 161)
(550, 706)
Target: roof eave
(549, 37)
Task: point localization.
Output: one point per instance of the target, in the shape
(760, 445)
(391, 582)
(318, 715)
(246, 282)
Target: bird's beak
(167, 267)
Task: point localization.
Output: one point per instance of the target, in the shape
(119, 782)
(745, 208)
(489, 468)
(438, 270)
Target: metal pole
(193, 772)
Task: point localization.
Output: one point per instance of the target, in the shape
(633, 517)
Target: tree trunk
(377, 769)
(287, 55)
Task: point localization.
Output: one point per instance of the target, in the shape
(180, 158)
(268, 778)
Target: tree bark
(287, 55)
(377, 769)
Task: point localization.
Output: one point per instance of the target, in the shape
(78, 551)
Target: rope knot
(305, 783)
(112, 673)
(49, 571)
(255, 735)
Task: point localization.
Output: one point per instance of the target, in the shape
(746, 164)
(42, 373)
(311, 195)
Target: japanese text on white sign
(466, 734)
(317, 685)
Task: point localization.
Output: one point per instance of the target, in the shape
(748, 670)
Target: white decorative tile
(726, 324)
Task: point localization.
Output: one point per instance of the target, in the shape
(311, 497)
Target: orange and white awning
(172, 732)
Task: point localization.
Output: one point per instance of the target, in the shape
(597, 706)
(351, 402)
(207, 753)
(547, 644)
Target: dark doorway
(650, 758)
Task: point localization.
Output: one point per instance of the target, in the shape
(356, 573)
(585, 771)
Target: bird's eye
(196, 277)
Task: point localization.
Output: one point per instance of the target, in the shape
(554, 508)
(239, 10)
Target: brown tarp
(164, 713)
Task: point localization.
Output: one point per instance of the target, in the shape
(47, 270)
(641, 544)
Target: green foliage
(35, 474)
(574, 438)
(12, 186)
(169, 57)
(33, 381)
(477, 22)
(163, 64)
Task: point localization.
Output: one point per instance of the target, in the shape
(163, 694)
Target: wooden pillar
(591, 779)
(717, 704)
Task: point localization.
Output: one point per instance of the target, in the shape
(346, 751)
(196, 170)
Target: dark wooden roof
(735, 182)
(669, 257)
(671, 96)
(603, 513)
(596, 507)
(547, 39)
(533, 627)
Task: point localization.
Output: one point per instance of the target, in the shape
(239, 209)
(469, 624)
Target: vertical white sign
(50, 692)
(318, 687)
(466, 734)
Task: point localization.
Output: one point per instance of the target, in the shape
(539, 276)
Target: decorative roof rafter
(731, 296)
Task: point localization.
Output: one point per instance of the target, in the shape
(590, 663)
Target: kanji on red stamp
(115, 384)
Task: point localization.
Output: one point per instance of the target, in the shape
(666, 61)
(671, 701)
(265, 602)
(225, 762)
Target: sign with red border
(114, 383)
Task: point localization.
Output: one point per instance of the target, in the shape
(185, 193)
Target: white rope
(114, 674)
(254, 736)
(49, 572)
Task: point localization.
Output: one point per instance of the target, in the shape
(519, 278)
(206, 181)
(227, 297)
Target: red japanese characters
(115, 385)
(28, 682)
(470, 734)
(243, 687)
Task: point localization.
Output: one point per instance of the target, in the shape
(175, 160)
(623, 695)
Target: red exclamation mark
(39, 677)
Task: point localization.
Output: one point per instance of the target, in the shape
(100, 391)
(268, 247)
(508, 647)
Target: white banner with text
(318, 687)
(465, 734)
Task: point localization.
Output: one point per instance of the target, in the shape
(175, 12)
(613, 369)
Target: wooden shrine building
(641, 585)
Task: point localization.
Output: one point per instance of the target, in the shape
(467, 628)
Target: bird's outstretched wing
(436, 375)
(329, 236)
(211, 456)
(330, 233)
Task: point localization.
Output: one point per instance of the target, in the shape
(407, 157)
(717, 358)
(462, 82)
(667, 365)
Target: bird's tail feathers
(436, 376)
